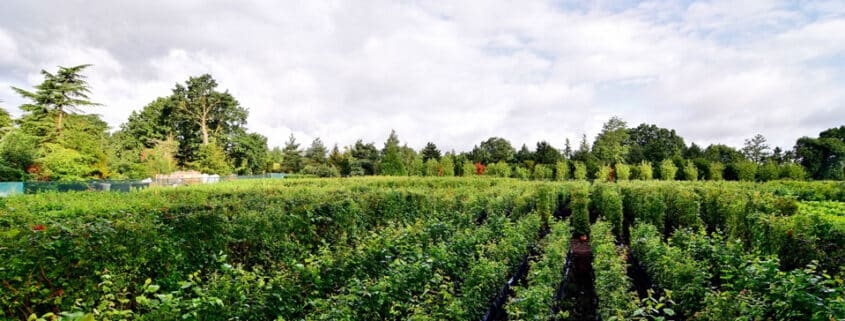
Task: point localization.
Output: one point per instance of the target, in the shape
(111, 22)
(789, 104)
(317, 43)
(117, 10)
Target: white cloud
(454, 72)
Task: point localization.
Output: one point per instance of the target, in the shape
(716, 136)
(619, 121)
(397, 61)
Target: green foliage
(316, 153)
(499, 169)
(768, 172)
(542, 172)
(623, 172)
(668, 170)
(493, 150)
(430, 151)
(447, 165)
(612, 284)
(546, 154)
(161, 158)
(603, 174)
(59, 94)
(522, 172)
(607, 201)
(562, 170)
(792, 171)
(292, 161)
(17, 150)
(211, 159)
(579, 205)
(823, 157)
(610, 146)
(580, 170)
(644, 171)
(468, 169)
(391, 164)
(690, 171)
(63, 164)
(653, 144)
(432, 167)
(743, 171)
(535, 300)
(714, 171)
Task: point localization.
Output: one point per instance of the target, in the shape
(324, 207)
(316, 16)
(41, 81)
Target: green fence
(12, 188)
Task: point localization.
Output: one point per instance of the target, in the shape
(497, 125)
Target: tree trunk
(59, 124)
(204, 127)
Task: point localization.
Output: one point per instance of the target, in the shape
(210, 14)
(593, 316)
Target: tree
(275, 157)
(161, 158)
(609, 146)
(722, 154)
(215, 113)
(211, 159)
(447, 165)
(365, 156)
(6, 122)
(61, 93)
(823, 157)
(756, 149)
(653, 144)
(16, 149)
(583, 152)
(248, 153)
(432, 167)
(523, 155)
(291, 156)
(567, 150)
(430, 151)
(493, 150)
(392, 164)
(668, 170)
(316, 153)
(337, 160)
(546, 154)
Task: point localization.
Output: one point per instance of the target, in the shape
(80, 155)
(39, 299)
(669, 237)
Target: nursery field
(382, 248)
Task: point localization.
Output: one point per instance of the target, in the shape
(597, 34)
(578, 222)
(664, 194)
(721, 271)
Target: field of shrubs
(382, 248)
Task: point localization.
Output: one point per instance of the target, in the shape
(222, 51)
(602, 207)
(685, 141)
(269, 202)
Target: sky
(453, 72)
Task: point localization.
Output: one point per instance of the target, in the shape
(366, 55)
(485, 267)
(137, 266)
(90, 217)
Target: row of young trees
(199, 127)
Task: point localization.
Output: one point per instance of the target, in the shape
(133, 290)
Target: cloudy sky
(453, 72)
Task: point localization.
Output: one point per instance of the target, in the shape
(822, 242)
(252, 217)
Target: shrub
(715, 170)
(580, 211)
(768, 172)
(743, 171)
(668, 170)
(645, 171)
(562, 170)
(793, 171)
(690, 171)
(522, 173)
(542, 172)
(468, 169)
(623, 172)
(580, 171)
(432, 167)
(320, 170)
(607, 201)
(604, 174)
(500, 169)
(447, 166)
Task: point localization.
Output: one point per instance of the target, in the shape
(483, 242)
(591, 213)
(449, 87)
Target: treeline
(198, 127)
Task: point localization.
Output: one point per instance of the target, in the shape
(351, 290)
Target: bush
(579, 205)
(743, 171)
(447, 166)
(793, 171)
(562, 170)
(768, 172)
(522, 173)
(604, 174)
(500, 169)
(580, 171)
(623, 172)
(432, 167)
(690, 171)
(468, 169)
(668, 170)
(542, 172)
(715, 170)
(607, 201)
(644, 171)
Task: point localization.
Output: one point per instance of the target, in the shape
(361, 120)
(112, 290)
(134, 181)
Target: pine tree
(391, 163)
(292, 157)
